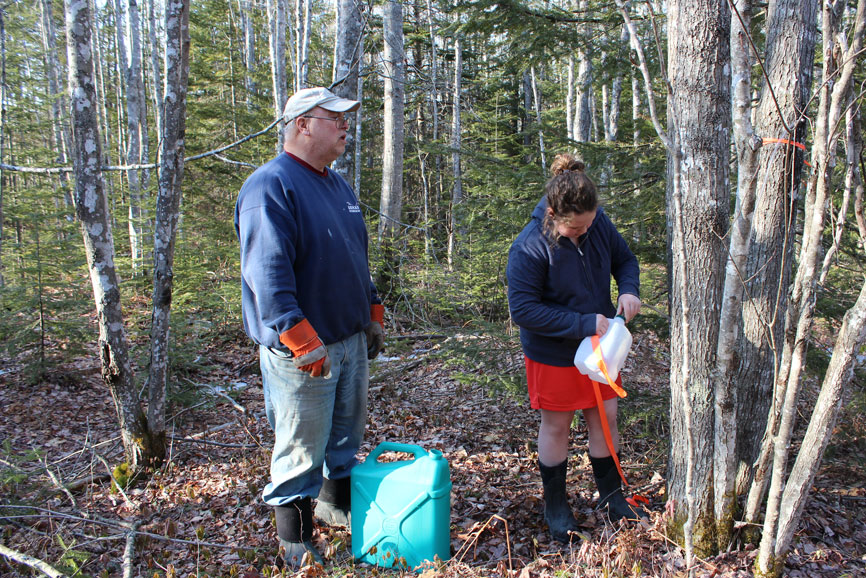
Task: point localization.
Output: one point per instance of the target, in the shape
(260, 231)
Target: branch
(146, 166)
(36, 563)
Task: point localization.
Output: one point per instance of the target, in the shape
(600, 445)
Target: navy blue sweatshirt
(303, 253)
(555, 293)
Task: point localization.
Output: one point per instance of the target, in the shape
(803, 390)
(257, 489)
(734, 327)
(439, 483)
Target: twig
(36, 563)
(210, 443)
(109, 523)
(60, 485)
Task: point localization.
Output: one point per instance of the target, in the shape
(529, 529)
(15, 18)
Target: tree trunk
(60, 129)
(277, 48)
(536, 97)
(2, 129)
(392, 155)
(245, 7)
(348, 52)
(725, 391)
(136, 118)
(569, 98)
(790, 50)
(699, 73)
(168, 205)
(839, 65)
(457, 173)
(155, 72)
(92, 209)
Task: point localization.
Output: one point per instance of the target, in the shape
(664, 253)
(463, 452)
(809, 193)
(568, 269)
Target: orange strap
(600, 402)
(796, 144)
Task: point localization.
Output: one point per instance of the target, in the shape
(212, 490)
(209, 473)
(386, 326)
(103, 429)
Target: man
(310, 305)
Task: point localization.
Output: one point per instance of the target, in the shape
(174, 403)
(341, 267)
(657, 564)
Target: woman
(559, 270)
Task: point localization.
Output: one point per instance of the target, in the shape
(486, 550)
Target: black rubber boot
(557, 513)
(610, 497)
(295, 530)
(334, 505)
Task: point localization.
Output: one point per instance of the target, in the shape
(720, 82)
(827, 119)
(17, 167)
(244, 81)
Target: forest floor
(201, 514)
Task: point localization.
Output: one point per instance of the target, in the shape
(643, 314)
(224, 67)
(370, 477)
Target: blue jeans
(316, 421)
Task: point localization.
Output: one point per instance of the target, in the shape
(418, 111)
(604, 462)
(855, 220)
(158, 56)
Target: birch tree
(136, 130)
(347, 63)
(393, 71)
(93, 213)
(277, 48)
(59, 126)
(168, 205)
(457, 173)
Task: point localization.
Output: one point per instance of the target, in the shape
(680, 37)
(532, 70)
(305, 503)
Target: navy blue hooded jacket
(303, 253)
(555, 293)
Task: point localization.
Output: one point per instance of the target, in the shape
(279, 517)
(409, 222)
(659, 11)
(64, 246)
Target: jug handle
(383, 447)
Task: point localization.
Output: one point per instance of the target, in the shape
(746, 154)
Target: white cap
(309, 98)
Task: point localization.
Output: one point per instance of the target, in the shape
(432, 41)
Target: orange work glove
(375, 331)
(308, 352)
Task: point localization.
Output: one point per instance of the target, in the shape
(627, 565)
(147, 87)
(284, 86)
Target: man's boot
(557, 513)
(295, 530)
(610, 497)
(334, 505)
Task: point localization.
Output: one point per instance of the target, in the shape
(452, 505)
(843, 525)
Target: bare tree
(457, 173)
(168, 205)
(92, 209)
(277, 47)
(136, 130)
(347, 63)
(393, 70)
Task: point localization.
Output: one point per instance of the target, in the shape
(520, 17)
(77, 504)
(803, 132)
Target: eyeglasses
(340, 121)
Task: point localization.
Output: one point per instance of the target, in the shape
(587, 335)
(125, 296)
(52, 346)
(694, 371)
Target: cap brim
(338, 104)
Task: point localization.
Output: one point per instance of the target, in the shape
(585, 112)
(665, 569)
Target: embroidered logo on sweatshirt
(353, 208)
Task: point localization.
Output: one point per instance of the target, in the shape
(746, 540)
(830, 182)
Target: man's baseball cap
(307, 99)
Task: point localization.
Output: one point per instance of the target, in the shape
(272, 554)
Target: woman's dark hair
(569, 191)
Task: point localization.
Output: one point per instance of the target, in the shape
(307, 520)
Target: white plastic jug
(614, 344)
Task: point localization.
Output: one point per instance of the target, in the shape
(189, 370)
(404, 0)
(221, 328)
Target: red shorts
(562, 388)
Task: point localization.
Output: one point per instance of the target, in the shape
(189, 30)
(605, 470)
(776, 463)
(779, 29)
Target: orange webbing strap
(600, 402)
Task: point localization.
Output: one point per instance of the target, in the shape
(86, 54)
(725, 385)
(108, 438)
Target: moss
(775, 565)
(704, 541)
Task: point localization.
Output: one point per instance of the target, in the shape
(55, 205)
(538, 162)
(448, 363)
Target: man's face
(328, 131)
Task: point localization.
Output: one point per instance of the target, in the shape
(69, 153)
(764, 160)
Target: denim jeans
(318, 423)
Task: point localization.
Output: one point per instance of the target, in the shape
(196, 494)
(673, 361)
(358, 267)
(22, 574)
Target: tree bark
(392, 155)
(168, 206)
(699, 115)
(834, 97)
(277, 47)
(457, 173)
(92, 209)
(136, 119)
(347, 64)
(790, 54)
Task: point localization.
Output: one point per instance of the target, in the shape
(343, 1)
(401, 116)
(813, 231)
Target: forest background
(464, 106)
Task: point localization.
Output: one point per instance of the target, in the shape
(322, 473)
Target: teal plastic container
(401, 511)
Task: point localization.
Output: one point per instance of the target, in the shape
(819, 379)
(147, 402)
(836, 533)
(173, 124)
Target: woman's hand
(628, 306)
(601, 324)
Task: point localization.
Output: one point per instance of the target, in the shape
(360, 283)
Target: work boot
(334, 505)
(610, 497)
(557, 513)
(295, 530)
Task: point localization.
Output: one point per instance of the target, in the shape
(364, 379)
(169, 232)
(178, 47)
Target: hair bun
(565, 162)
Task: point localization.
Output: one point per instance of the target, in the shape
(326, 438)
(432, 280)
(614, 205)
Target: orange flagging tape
(799, 145)
(603, 414)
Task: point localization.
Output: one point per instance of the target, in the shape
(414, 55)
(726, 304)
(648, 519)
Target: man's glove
(308, 352)
(375, 331)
